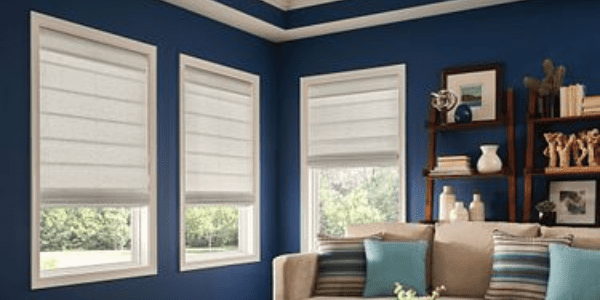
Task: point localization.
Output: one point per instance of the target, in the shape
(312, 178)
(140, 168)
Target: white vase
(459, 213)
(477, 209)
(447, 200)
(489, 162)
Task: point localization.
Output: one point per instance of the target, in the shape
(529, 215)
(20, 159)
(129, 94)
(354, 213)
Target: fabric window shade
(353, 122)
(219, 138)
(93, 123)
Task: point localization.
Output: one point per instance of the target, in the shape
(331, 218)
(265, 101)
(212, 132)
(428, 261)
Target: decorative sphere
(463, 114)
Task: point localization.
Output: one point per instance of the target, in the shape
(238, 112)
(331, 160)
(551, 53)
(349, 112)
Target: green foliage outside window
(69, 228)
(357, 196)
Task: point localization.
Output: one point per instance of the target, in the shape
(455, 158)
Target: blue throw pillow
(390, 262)
(574, 274)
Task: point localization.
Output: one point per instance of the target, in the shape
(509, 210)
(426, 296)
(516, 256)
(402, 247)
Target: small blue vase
(463, 114)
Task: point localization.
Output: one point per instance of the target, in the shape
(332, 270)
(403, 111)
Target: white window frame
(249, 221)
(309, 203)
(144, 256)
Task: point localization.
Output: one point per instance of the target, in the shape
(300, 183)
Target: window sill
(72, 278)
(224, 259)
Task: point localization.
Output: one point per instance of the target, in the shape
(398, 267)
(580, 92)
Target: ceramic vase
(447, 200)
(477, 209)
(459, 213)
(489, 161)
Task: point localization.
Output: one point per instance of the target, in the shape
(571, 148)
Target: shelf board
(572, 171)
(475, 175)
(565, 120)
(468, 126)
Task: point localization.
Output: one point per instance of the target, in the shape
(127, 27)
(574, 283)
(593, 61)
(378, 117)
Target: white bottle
(477, 208)
(447, 200)
(459, 213)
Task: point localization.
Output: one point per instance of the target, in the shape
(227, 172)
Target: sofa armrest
(294, 276)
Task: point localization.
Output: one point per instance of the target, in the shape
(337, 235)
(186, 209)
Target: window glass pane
(210, 229)
(74, 236)
(352, 196)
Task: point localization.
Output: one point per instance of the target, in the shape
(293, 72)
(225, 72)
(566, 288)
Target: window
(93, 148)
(219, 165)
(352, 150)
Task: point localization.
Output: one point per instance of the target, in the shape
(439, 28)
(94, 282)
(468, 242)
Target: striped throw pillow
(342, 266)
(521, 266)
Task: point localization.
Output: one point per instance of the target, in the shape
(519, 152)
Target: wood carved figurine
(563, 147)
(580, 149)
(592, 137)
(550, 151)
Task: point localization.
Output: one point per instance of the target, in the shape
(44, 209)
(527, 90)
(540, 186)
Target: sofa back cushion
(462, 254)
(587, 238)
(406, 232)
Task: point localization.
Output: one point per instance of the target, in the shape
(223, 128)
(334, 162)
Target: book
(591, 101)
(564, 112)
(453, 157)
(579, 95)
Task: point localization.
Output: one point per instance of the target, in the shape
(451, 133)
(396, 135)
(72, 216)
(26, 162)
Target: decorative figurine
(592, 137)
(563, 147)
(580, 151)
(550, 151)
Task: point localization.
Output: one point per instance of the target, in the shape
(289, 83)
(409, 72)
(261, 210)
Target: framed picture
(478, 87)
(575, 202)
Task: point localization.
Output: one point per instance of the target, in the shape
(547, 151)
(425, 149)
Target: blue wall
(518, 35)
(173, 31)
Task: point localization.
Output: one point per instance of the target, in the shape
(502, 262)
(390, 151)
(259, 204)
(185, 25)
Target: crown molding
(242, 21)
(296, 4)
(281, 4)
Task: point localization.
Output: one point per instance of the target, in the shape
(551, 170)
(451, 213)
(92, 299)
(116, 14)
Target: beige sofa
(460, 258)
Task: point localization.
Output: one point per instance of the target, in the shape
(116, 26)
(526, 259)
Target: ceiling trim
(281, 4)
(296, 4)
(237, 19)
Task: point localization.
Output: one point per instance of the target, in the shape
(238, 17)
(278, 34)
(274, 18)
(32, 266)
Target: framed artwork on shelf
(478, 87)
(575, 202)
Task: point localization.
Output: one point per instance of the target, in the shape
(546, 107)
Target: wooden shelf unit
(506, 118)
(533, 124)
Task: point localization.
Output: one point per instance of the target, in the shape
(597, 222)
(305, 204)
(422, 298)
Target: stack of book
(452, 165)
(571, 100)
(591, 106)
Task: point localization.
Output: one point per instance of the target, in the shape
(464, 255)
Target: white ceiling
(295, 4)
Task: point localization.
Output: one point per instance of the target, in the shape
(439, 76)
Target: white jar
(447, 200)
(477, 209)
(489, 162)
(459, 213)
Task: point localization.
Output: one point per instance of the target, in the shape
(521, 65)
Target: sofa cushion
(390, 262)
(521, 265)
(342, 266)
(587, 238)
(398, 232)
(386, 298)
(462, 254)
(574, 274)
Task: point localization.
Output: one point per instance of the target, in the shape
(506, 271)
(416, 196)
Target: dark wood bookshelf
(506, 119)
(534, 123)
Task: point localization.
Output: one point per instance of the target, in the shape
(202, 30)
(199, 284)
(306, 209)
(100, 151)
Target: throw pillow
(342, 266)
(520, 266)
(574, 274)
(391, 262)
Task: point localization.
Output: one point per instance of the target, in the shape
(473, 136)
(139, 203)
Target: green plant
(411, 294)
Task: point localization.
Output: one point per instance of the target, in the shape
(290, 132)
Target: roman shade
(93, 122)
(353, 121)
(219, 126)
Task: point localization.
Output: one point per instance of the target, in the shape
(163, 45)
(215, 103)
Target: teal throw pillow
(574, 274)
(390, 262)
